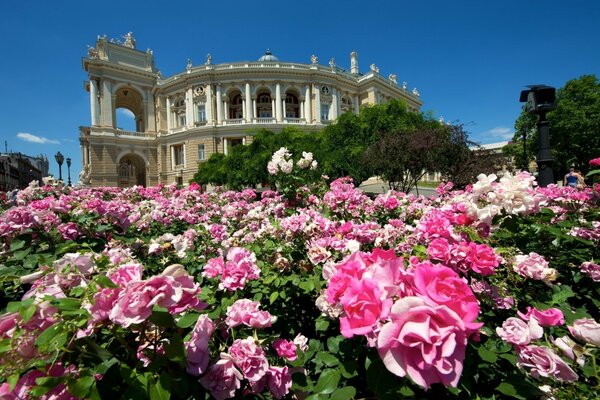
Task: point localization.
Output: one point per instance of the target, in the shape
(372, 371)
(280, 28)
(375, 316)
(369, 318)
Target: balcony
(105, 131)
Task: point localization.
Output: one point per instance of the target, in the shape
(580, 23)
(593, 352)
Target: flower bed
(163, 292)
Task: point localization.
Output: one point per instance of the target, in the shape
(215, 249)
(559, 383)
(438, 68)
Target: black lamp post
(69, 170)
(539, 100)
(59, 159)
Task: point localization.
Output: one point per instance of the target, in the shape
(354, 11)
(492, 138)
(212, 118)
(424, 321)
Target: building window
(179, 111)
(324, 112)
(201, 113)
(201, 152)
(177, 155)
(265, 114)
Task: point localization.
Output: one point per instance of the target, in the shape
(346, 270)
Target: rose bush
(490, 292)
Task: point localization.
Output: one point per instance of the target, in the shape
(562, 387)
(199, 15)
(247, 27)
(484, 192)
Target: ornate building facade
(182, 119)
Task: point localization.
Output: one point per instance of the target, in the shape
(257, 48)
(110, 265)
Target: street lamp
(59, 159)
(69, 169)
(539, 100)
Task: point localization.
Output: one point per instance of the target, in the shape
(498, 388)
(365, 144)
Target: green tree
(574, 126)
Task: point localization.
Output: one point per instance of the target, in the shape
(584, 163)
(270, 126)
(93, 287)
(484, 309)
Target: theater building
(180, 120)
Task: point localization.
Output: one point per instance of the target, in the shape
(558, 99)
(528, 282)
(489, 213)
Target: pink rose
(517, 332)
(213, 268)
(424, 341)
(197, 347)
(534, 266)
(240, 267)
(543, 362)
(549, 317)
(246, 312)
(301, 341)
(69, 231)
(595, 162)
(482, 259)
(591, 269)
(126, 273)
(443, 286)
(279, 380)
(352, 267)
(439, 249)
(364, 306)
(285, 349)
(249, 358)
(587, 330)
(222, 379)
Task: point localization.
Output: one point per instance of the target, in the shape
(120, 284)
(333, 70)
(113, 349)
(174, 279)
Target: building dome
(268, 56)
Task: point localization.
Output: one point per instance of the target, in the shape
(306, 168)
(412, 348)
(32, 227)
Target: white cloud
(499, 132)
(28, 137)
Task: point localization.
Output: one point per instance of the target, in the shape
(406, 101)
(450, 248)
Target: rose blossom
(246, 312)
(222, 379)
(285, 349)
(364, 306)
(516, 331)
(301, 341)
(586, 330)
(279, 380)
(249, 358)
(544, 362)
(549, 317)
(425, 342)
(534, 266)
(197, 347)
(591, 269)
(443, 286)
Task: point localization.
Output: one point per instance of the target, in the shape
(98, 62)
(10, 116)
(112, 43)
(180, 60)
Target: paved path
(377, 186)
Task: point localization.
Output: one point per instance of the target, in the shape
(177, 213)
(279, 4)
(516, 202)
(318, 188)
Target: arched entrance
(131, 170)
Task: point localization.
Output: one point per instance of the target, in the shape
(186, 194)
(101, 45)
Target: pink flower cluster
(595, 162)
(541, 361)
(132, 301)
(246, 312)
(535, 267)
(591, 269)
(235, 271)
(464, 256)
(419, 317)
(246, 360)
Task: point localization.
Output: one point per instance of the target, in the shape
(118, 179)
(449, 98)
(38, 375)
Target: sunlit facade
(182, 119)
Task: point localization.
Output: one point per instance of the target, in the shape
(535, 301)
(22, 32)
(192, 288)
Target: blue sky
(468, 59)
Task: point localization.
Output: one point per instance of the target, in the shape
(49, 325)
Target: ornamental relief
(199, 90)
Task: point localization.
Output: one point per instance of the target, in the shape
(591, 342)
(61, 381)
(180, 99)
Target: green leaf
(328, 359)
(21, 254)
(27, 312)
(187, 320)
(105, 282)
(161, 390)
(273, 297)
(321, 324)
(328, 381)
(54, 335)
(106, 365)
(161, 318)
(345, 393)
(17, 244)
(508, 389)
(67, 304)
(82, 386)
(561, 296)
(487, 355)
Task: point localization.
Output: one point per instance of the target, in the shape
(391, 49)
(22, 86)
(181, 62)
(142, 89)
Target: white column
(107, 111)
(225, 146)
(172, 157)
(356, 105)
(209, 109)
(317, 91)
(278, 113)
(219, 105)
(283, 115)
(248, 103)
(333, 110)
(254, 111)
(169, 115)
(226, 107)
(307, 104)
(273, 113)
(189, 108)
(244, 108)
(150, 124)
(302, 109)
(94, 101)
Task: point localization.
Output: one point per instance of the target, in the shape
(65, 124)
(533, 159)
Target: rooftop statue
(374, 68)
(208, 59)
(392, 78)
(314, 60)
(129, 40)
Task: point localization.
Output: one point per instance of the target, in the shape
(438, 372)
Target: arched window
(292, 106)
(235, 107)
(264, 105)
